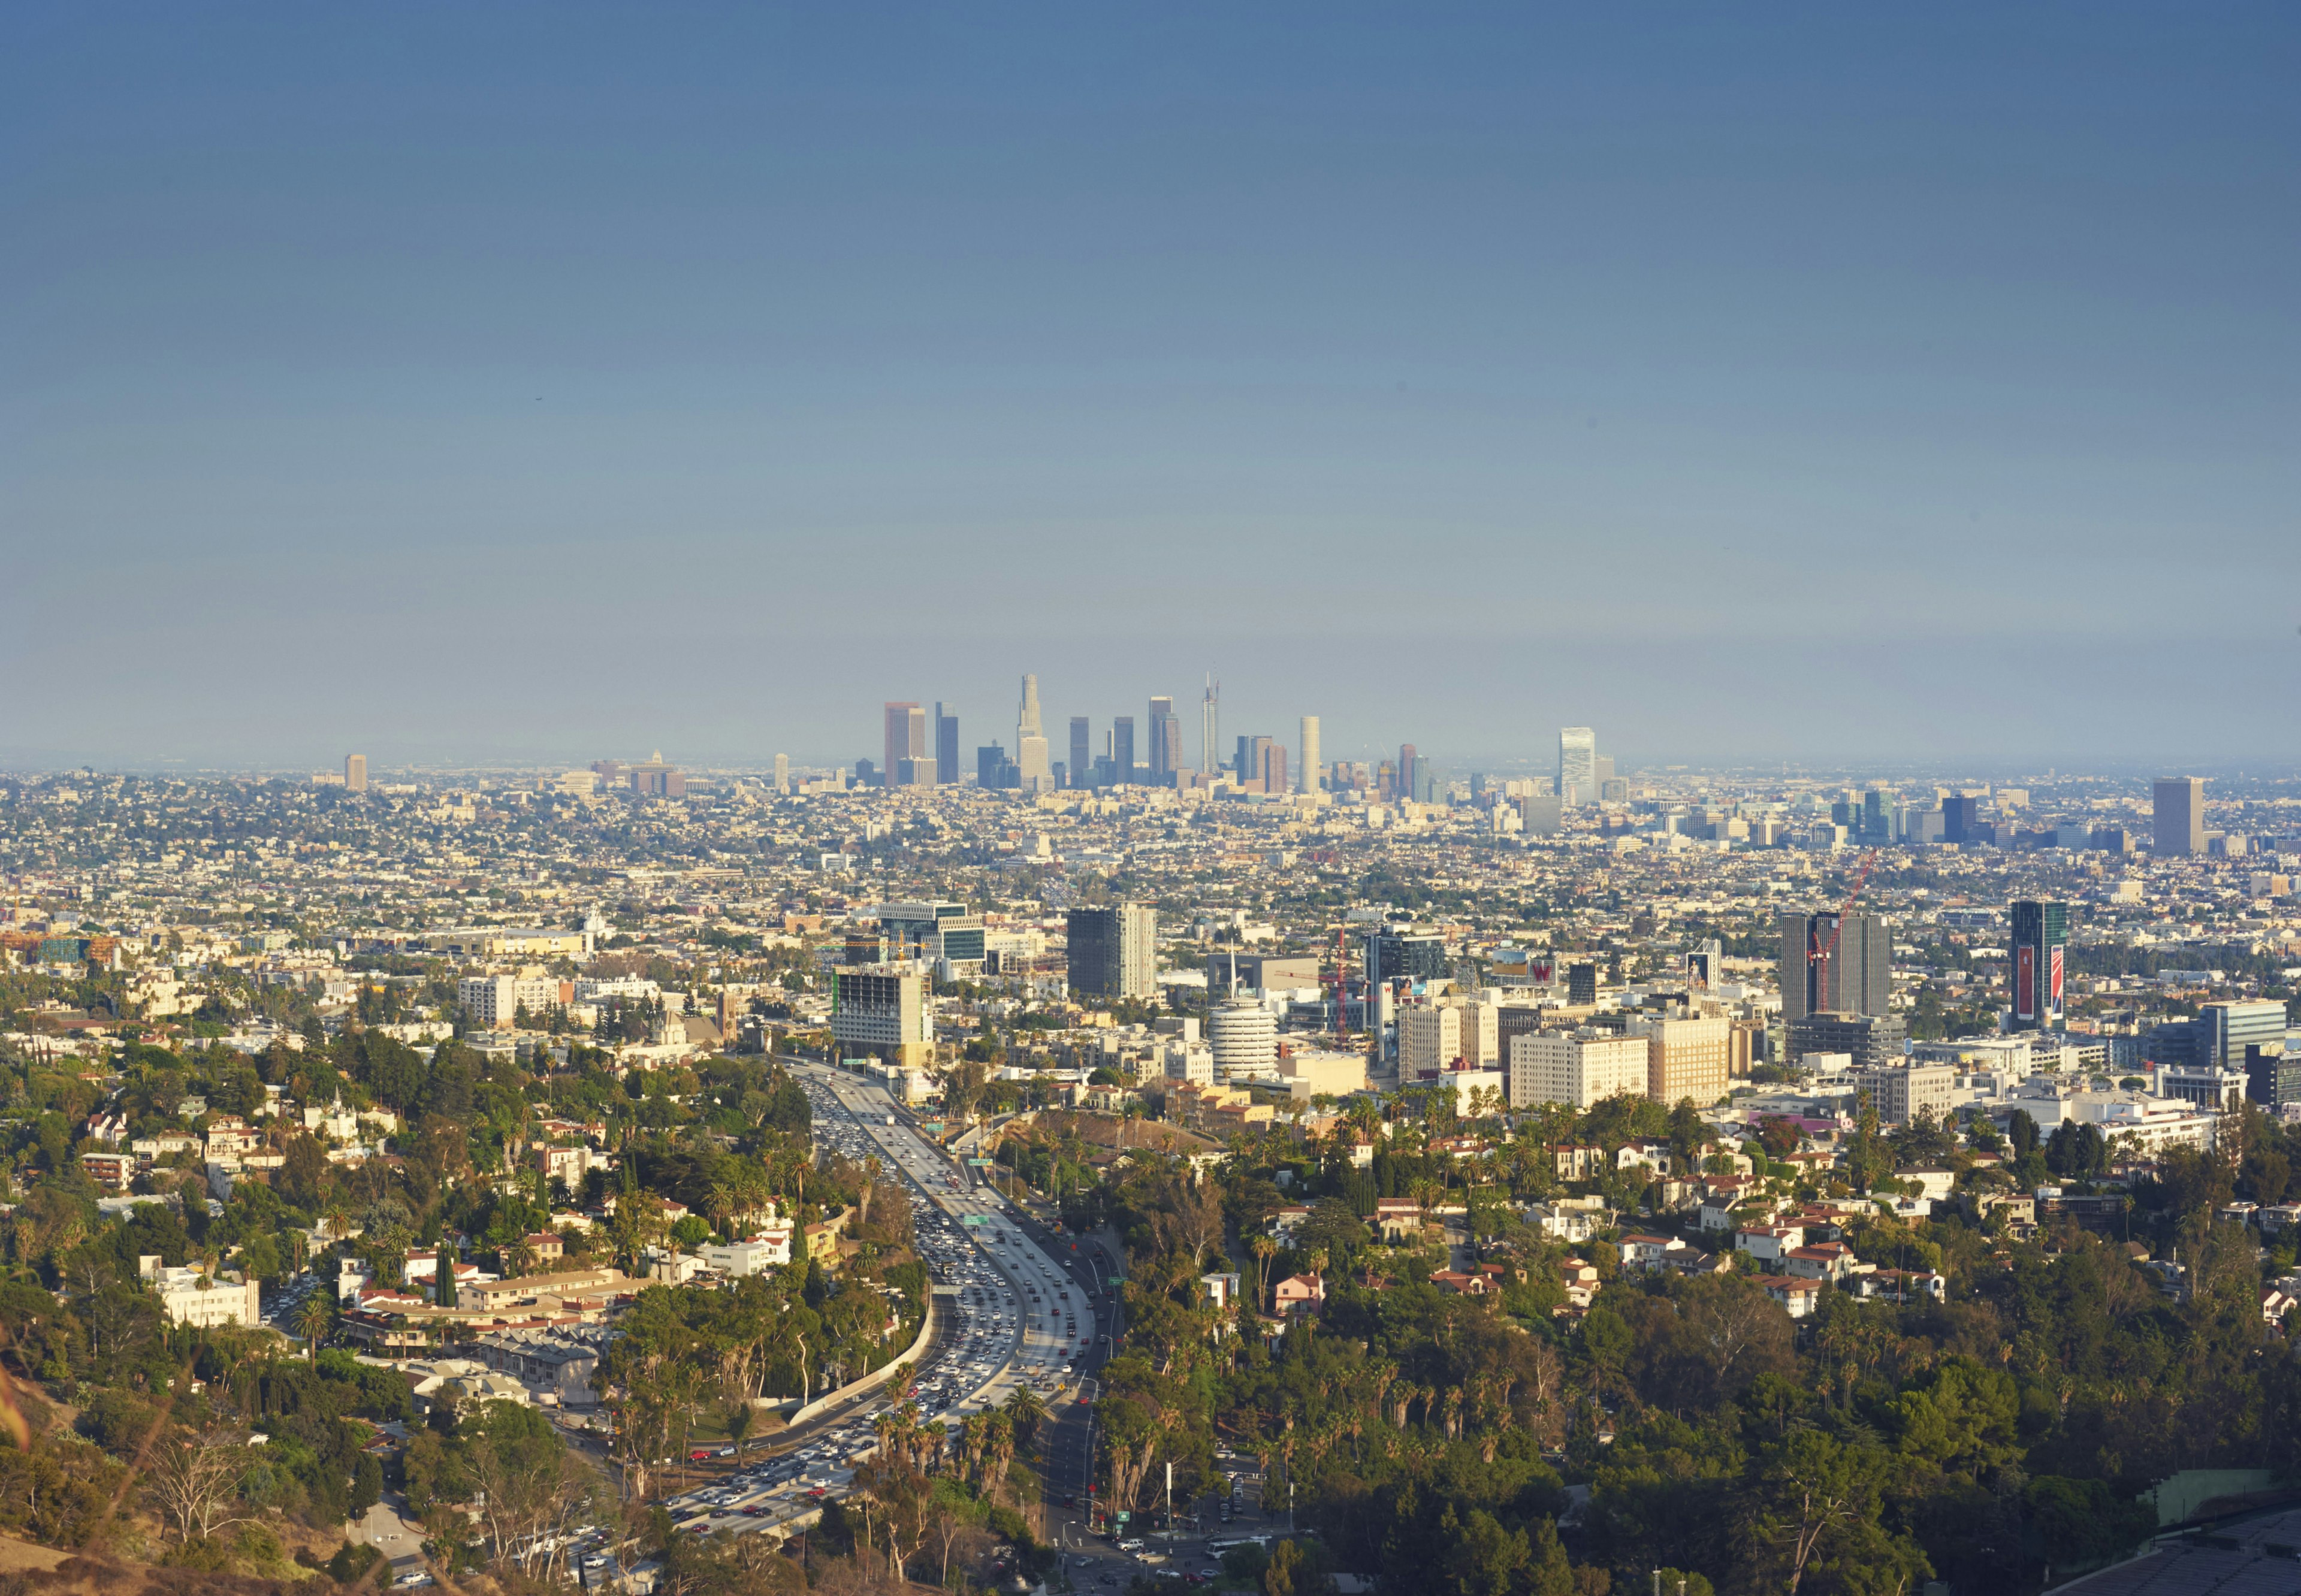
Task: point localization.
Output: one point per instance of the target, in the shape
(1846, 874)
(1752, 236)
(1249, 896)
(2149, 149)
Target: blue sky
(546, 382)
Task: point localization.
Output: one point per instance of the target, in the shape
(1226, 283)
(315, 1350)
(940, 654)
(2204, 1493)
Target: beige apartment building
(1429, 1040)
(1688, 1058)
(1579, 1068)
(1900, 1092)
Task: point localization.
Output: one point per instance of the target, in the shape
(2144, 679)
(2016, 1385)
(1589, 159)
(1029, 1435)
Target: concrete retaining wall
(879, 1376)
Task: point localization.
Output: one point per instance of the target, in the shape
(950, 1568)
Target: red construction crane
(1828, 958)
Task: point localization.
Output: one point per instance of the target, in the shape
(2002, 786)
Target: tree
(446, 1294)
(367, 1485)
(312, 1320)
(195, 1480)
(1814, 1507)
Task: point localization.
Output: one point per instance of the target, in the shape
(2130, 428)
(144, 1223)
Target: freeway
(1011, 1315)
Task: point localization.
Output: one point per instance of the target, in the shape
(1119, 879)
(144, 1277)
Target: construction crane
(1827, 959)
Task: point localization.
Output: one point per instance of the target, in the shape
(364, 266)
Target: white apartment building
(189, 1298)
(494, 1000)
(1581, 1068)
(1429, 1040)
(771, 1248)
(1190, 1061)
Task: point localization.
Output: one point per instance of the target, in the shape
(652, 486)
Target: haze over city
(532, 384)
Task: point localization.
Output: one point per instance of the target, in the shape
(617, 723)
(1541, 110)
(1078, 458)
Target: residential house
(1639, 1251)
(1902, 1285)
(1769, 1243)
(1820, 1260)
(1300, 1294)
(1794, 1293)
(1398, 1218)
(1453, 1283)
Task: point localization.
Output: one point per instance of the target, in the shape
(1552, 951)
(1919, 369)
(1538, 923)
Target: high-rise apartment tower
(1306, 778)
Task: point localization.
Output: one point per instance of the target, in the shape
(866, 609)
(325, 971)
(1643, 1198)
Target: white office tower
(1306, 774)
(782, 772)
(1578, 765)
(1031, 743)
(1245, 1039)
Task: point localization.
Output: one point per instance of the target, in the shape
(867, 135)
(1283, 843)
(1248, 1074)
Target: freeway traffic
(1012, 1314)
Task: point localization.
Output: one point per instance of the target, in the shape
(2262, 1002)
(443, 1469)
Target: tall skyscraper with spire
(1210, 726)
(1031, 743)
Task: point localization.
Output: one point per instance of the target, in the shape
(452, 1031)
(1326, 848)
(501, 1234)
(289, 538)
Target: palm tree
(313, 1319)
(1025, 1408)
(1264, 1250)
(520, 1259)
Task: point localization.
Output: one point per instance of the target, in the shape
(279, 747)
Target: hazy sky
(550, 382)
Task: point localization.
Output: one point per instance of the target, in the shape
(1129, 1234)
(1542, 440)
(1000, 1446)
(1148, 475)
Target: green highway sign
(970, 1219)
(980, 1163)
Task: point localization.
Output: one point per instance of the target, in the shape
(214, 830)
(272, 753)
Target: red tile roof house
(1455, 1283)
(1301, 1294)
(1398, 1217)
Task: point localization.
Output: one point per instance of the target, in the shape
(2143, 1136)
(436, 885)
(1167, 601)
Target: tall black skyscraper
(1082, 771)
(946, 746)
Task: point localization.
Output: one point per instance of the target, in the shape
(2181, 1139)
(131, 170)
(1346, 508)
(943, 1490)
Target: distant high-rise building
(1211, 727)
(2181, 815)
(993, 769)
(1578, 765)
(1113, 951)
(782, 772)
(1853, 979)
(1582, 984)
(1082, 760)
(1122, 749)
(1877, 816)
(2041, 935)
(1273, 767)
(1961, 818)
(355, 772)
(1410, 772)
(1032, 773)
(1253, 753)
(907, 739)
(1163, 747)
(946, 730)
(1307, 779)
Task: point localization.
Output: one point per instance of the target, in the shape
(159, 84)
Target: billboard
(2053, 978)
(2025, 981)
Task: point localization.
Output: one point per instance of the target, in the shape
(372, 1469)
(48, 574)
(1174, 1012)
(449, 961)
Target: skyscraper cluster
(920, 750)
